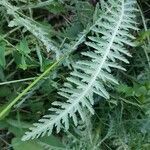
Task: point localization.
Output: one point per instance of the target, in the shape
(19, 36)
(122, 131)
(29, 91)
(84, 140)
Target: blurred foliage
(122, 123)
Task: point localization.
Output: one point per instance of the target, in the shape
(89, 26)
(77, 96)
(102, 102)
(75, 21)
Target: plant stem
(9, 106)
(16, 81)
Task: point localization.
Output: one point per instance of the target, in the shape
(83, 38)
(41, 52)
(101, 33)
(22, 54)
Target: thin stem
(9, 106)
(10, 32)
(16, 81)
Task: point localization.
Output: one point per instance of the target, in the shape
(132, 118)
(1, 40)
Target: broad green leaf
(23, 47)
(20, 60)
(141, 91)
(15, 123)
(17, 144)
(52, 141)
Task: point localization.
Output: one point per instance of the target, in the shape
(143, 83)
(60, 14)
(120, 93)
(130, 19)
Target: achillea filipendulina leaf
(107, 47)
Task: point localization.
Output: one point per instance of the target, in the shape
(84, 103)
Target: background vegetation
(30, 85)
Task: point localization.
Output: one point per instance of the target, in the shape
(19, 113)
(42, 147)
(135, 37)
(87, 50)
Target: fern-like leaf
(30, 25)
(110, 35)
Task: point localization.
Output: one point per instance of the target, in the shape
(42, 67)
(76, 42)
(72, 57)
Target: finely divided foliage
(107, 47)
(30, 25)
(38, 32)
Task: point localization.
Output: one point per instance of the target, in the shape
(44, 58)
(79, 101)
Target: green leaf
(143, 35)
(52, 141)
(4, 91)
(2, 56)
(17, 124)
(20, 60)
(141, 91)
(17, 144)
(56, 8)
(128, 91)
(21, 57)
(23, 64)
(23, 47)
